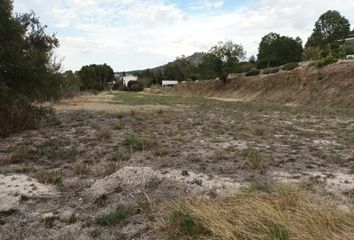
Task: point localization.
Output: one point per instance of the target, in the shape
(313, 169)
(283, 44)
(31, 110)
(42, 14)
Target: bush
(136, 87)
(253, 72)
(118, 214)
(290, 66)
(325, 61)
(270, 70)
(17, 116)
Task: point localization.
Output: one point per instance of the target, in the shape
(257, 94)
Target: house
(128, 78)
(350, 37)
(169, 83)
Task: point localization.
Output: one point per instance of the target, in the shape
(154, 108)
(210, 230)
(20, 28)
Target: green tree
(226, 58)
(180, 70)
(275, 50)
(95, 77)
(330, 30)
(28, 70)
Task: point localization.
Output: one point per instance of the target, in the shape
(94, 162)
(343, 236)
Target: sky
(140, 34)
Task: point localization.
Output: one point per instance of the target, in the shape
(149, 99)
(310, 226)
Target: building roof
(351, 34)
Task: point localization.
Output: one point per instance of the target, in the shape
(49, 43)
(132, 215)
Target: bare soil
(142, 151)
(329, 86)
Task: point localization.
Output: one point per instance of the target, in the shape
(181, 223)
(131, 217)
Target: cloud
(134, 34)
(206, 4)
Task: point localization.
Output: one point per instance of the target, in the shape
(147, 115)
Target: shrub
(137, 143)
(290, 66)
(325, 61)
(18, 116)
(109, 219)
(136, 87)
(270, 70)
(253, 72)
(185, 223)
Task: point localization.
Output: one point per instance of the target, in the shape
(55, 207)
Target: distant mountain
(195, 59)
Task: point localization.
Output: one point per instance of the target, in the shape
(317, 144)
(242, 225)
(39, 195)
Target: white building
(169, 83)
(129, 78)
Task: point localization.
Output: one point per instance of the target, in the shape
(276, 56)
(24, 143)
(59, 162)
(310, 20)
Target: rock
(67, 216)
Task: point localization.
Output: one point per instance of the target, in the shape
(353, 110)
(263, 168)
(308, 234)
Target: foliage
(95, 77)
(276, 50)
(271, 70)
(70, 86)
(226, 58)
(290, 66)
(118, 214)
(325, 61)
(180, 70)
(312, 53)
(28, 70)
(253, 72)
(185, 223)
(330, 30)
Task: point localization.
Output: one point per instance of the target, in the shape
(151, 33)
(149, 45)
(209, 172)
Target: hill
(195, 59)
(330, 86)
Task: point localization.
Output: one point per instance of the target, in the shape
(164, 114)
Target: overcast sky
(139, 34)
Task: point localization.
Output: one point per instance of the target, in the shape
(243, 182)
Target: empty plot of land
(111, 162)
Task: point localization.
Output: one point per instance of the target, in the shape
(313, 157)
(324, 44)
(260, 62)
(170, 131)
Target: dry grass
(288, 213)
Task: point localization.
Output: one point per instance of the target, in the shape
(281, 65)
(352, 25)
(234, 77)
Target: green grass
(255, 159)
(185, 223)
(58, 149)
(137, 143)
(118, 214)
(134, 99)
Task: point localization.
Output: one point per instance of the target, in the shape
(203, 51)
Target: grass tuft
(118, 214)
(288, 212)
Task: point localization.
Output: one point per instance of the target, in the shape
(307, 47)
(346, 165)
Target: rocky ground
(103, 165)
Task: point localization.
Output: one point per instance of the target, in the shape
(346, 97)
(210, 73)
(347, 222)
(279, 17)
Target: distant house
(350, 37)
(169, 83)
(128, 78)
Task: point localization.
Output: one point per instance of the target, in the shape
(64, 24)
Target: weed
(47, 177)
(119, 125)
(220, 155)
(137, 143)
(118, 214)
(336, 159)
(161, 152)
(184, 222)
(259, 215)
(20, 155)
(119, 157)
(110, 168)
(81, 169)
(153, 183)
(57, 149)
(255, 159)
(102, 134)
(277, 232)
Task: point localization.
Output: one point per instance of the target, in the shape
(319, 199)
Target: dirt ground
(329, 86)
(140, 151)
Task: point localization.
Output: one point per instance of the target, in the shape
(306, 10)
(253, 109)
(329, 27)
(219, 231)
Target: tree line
(326, 42)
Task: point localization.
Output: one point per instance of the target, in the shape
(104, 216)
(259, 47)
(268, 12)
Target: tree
(226, 57)
(180, 70)
(28, 70)
(95, 77)
(275, 50)
(330, 30)
(312, 53)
